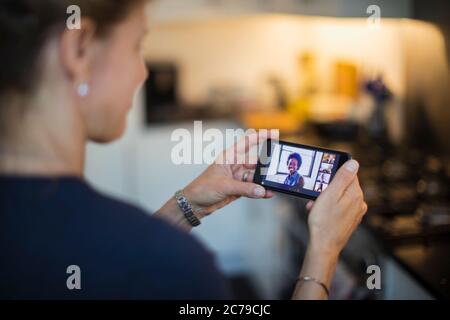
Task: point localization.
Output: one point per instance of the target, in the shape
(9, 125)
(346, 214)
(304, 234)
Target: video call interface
(300, 170)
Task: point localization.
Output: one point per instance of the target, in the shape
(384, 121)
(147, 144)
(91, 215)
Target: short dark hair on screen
(297, 157)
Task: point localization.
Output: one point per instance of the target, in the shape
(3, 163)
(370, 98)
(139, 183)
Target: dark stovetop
(409, 212)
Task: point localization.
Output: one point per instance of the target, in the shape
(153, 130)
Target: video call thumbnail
(300, 169)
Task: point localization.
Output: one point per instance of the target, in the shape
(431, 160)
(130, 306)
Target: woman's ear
(76, 51)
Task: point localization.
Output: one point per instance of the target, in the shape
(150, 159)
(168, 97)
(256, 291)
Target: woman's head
(45, 63)
(294, 162)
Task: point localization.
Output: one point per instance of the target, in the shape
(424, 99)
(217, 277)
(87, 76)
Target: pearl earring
(83, 89)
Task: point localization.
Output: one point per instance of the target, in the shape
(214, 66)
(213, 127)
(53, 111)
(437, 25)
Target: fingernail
(352, 166)
(259, 192)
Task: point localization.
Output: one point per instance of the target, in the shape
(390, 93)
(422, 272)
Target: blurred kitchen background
(326, 73)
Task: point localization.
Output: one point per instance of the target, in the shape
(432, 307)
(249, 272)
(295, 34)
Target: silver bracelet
(320, 283)
(186, 208)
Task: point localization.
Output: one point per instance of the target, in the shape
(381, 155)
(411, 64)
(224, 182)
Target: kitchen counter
(427, 262)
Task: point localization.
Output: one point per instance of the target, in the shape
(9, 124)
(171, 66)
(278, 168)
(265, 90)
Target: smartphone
(296, 169)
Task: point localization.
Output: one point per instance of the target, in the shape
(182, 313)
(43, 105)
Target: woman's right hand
(337, 211)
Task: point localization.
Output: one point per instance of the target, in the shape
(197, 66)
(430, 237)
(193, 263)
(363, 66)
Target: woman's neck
(40, 161)
(43, 142)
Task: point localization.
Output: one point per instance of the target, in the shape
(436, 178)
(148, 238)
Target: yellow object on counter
(300, 108)
(346, 79)
(284, 121)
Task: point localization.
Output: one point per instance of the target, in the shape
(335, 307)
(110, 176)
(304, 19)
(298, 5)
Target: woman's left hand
(222, 182)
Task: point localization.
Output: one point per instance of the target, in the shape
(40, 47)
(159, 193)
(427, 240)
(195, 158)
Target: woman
(60, 88)
(294, 179)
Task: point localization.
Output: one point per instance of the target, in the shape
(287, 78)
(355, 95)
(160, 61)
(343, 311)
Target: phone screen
(296, 169)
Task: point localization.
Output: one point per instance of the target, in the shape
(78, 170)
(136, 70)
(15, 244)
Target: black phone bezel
(343, 157)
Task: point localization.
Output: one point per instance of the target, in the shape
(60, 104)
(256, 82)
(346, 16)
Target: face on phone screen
(304, 170)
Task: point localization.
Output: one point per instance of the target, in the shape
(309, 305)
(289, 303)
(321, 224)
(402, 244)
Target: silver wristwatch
(187, 209)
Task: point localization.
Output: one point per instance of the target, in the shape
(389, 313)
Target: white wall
(235, 52)
(245, 51)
